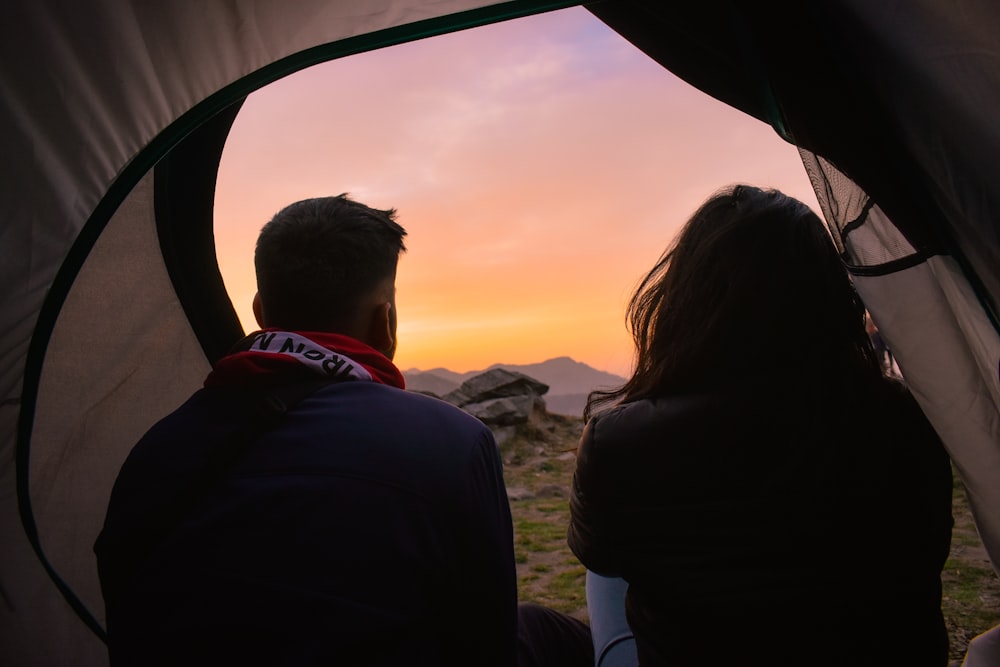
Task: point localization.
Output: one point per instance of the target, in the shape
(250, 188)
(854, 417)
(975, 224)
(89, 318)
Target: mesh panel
(864, 235)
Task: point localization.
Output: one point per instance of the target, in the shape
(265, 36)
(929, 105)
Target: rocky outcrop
(569, 382)
(501, 399)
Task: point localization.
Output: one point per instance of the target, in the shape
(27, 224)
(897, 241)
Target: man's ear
(258, 311)
(382, 329)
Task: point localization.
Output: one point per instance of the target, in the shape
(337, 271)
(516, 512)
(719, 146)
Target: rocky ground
(539, 462)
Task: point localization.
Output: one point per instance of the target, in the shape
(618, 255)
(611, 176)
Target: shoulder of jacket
(663, 408)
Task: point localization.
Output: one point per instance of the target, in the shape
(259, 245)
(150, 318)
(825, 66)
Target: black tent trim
(889, 267)
(211, 335)
(860, 220)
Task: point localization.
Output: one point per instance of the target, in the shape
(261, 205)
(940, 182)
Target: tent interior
(115, 120)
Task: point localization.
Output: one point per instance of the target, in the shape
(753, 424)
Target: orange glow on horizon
(539, 174)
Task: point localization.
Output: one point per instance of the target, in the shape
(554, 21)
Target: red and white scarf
(272, 356)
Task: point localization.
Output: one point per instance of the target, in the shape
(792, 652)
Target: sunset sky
(540, 166)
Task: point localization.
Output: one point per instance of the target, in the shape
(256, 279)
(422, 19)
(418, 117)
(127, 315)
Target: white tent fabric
(96, 345)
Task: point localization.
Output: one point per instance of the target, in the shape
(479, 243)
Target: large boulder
(495, 383)
(500, 398)
(505, 411)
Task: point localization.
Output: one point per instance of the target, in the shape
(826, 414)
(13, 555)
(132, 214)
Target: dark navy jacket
(371, 527)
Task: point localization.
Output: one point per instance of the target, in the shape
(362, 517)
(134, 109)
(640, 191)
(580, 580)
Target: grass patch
(970, 587)
(548, 509)
(539, 531)
(964, 581)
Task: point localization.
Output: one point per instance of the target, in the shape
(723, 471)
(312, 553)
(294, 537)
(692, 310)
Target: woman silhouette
(766, 503)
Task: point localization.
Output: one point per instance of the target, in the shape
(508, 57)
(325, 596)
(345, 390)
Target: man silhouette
(302, 508)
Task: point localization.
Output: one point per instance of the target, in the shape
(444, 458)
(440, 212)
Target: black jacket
(764, 525)
(371, 527)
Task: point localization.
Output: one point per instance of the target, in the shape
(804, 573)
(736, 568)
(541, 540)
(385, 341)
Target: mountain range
(569, 381)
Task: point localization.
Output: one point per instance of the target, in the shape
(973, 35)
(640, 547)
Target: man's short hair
(318, 258)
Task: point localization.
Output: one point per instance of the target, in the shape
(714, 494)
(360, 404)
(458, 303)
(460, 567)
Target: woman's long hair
(752, 284)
